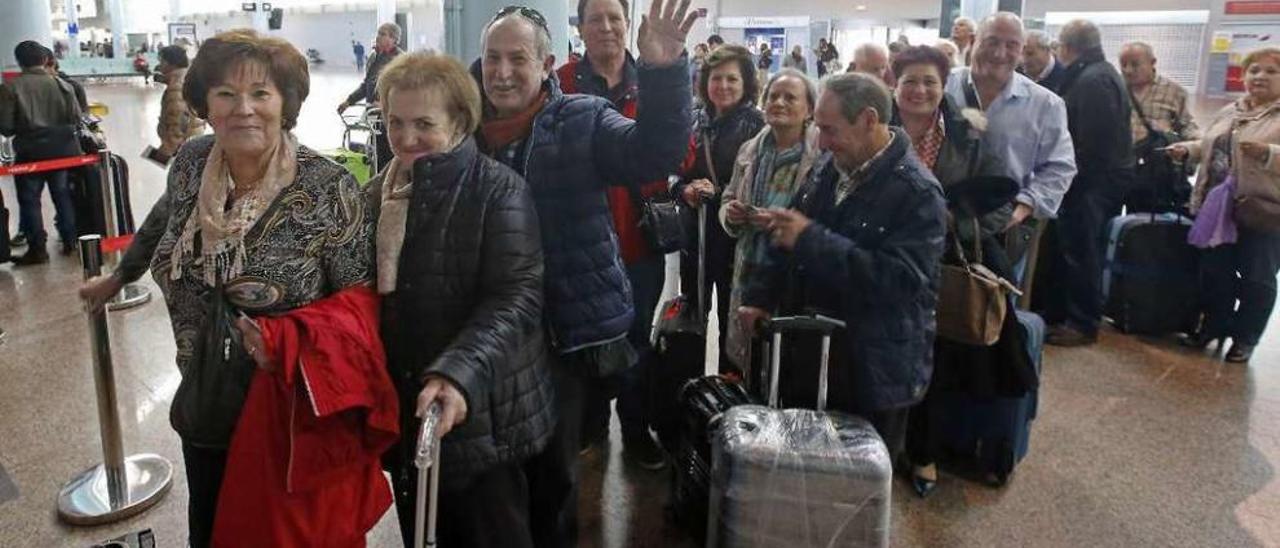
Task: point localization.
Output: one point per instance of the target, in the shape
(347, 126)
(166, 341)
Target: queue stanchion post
(132, 294)
(121, 486)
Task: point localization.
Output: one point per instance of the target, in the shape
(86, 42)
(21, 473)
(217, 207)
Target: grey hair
(1041, 39)
(1139, 44)
(858, 92)
(542, 48)
(866, 47)
(810, 89)
(392, 28)
(962, 20)
(988, 21)
(1080, 35)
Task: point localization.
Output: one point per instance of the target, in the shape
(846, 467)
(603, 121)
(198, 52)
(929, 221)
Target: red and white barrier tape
(48, 165)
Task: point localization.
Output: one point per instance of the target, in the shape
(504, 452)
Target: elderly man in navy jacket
(864, 244)
(570, 148)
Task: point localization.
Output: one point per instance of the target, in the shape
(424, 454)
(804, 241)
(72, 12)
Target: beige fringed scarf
(397, 187)
(223, 229)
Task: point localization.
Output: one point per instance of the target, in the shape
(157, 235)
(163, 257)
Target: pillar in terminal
(465, 21)
(119, 45)
(24, 21)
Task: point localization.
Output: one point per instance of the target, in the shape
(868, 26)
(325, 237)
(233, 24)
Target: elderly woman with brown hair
(1242, 142)
(728, 88)
(254, 223)
(460, 267)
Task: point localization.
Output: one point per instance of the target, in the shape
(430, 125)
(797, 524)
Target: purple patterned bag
(1215, 224)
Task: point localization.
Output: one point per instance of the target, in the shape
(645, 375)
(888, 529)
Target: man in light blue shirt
(1026, 123)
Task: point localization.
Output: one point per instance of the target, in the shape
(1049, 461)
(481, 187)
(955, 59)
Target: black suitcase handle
(792, 324)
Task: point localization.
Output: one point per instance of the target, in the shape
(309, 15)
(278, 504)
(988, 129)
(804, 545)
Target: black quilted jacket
(468, 306)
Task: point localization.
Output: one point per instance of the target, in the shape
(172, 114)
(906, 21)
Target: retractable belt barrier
(121, 486)
(112, 244)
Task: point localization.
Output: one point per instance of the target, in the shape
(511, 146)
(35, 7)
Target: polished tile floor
(1138, 442)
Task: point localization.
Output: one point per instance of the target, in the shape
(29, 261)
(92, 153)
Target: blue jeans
(31, 218)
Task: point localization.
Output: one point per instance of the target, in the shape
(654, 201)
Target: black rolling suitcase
(681, 347)
(86, 195)
(1150, 281)
(702, 400)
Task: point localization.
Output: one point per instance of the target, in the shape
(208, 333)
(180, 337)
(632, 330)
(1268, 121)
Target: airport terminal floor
(1138, 442)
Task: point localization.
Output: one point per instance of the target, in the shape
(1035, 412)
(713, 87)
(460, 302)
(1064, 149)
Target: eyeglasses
(526, 12)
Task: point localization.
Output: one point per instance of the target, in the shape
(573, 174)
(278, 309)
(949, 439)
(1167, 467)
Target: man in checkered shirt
(1163, 101)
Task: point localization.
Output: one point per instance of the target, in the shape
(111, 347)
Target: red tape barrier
(48, 165)
(118, 243)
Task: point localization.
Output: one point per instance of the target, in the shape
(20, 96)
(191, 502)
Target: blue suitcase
(993, 431)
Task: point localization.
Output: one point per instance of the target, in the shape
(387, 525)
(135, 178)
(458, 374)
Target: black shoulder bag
(661, 221)
(207, 404)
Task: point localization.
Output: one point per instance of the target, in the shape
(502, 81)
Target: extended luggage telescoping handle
(814, 322)
(426, 458)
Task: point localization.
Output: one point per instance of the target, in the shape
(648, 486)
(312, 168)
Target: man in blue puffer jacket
(570, 148)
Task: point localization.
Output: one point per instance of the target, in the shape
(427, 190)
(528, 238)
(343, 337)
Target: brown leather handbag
(973, 300)
(1259, 213)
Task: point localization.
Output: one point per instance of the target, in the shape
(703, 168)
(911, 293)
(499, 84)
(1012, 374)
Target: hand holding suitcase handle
(791, 324)
(426, 459)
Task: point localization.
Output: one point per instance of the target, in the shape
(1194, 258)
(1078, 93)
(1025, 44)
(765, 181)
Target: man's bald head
(1138, 64)
(999, 47)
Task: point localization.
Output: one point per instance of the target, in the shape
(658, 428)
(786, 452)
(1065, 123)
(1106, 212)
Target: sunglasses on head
(526, 12)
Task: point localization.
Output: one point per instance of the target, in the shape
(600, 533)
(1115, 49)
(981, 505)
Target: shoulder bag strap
(971, 94)
(707, 143)
(1137, 107)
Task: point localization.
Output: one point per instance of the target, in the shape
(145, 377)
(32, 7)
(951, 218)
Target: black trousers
(632, 387)
(1081, 228)
(1243, 272)
(530, 503)
(490, 511)
(554, 473)
(205, 468)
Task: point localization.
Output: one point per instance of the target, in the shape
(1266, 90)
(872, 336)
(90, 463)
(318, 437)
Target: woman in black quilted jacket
(459, 265)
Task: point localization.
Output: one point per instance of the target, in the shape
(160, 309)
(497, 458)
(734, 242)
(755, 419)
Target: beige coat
(737, 344)
(1253, 178)
(177, 122)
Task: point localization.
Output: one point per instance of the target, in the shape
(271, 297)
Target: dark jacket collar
(876, 172)
(707, 120)
(448, 167)
(591, 83)
(1077, 67)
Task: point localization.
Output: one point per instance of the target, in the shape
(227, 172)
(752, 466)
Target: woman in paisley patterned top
(278, 225)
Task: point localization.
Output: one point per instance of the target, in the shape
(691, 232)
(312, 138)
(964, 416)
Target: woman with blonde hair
(459, 265)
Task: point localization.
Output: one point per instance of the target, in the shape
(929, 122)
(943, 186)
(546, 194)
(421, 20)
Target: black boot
(34, 255)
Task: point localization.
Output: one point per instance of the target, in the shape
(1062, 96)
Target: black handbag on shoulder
(207, 404)
(662, 222)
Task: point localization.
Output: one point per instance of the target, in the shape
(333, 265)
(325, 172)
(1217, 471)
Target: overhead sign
(1253, 7)
(249, 6)
(763, 22)
(73, 29)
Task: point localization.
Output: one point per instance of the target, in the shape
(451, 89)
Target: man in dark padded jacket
(863, 244)
(570, 148)
(385, 48)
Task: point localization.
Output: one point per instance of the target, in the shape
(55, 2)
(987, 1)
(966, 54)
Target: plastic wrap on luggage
(798, 478)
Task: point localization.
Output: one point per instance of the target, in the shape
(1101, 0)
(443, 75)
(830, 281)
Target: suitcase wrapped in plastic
(996, 432)
(798, 478)
(1150, 282)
